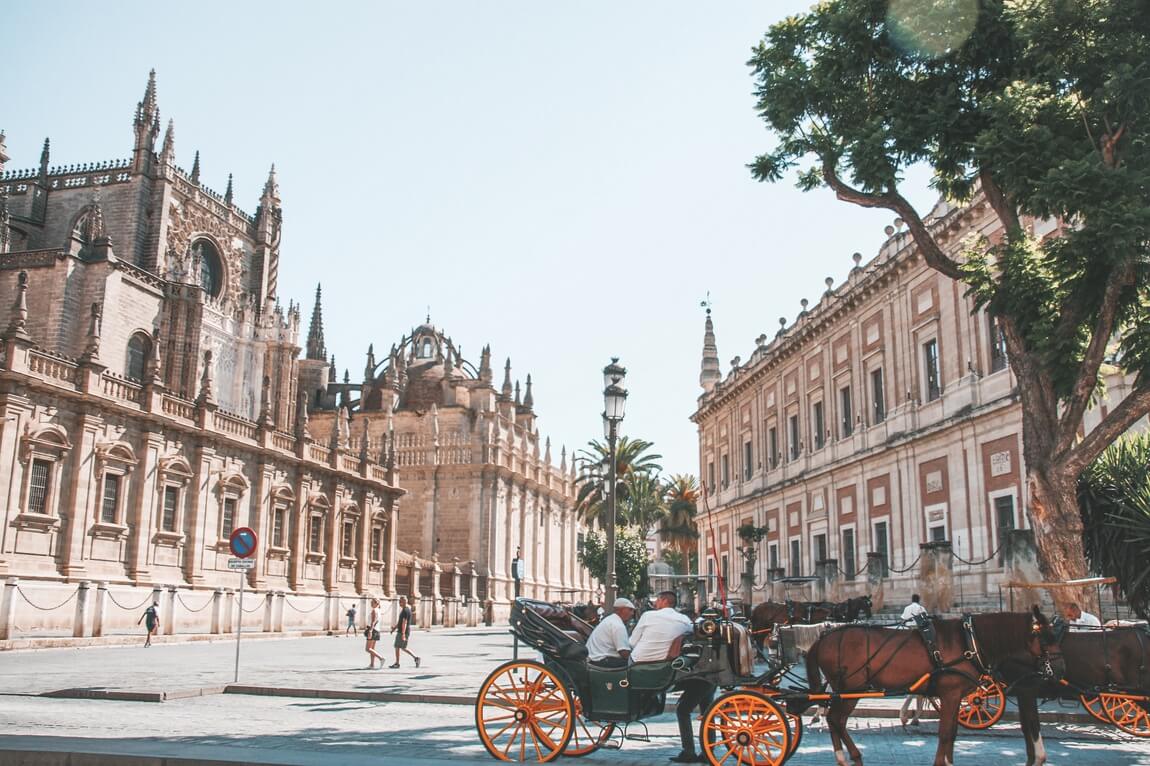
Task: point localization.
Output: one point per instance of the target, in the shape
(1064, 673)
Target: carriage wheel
(524, 713)
(587, 736)
(745, 727)
(1093, 705)
(984, 706)
(1127, 713)
(796, 724)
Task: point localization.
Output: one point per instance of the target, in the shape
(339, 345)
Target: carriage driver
(608, 645)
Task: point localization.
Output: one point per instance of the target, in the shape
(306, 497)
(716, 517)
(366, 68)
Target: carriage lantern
(614, 404)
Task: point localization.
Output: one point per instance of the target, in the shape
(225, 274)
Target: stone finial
(830, 283)
(271, 193)
(168, 153)
(154, 367)
(528, 397)
(5, 215)
(363, 441)
(803, 303)
(485, 365)
(196, 168)
(301, 418)
(228, 193)
(563, 459)
(782, 327)
(265, 417)
(45, 154)
(3, 152)
(710, 373)
(17, 326)
(517, 402)
(331, 370)
(506, 388)
(888, 230)
(92, 349)
(857, 258)
(547, 451)
(205, 396)
(369, 366)
(434, 424)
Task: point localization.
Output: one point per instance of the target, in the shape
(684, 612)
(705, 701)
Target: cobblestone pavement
(295, 730)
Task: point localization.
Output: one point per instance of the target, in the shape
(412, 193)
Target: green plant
(631, 560)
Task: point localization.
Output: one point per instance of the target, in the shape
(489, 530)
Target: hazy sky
(564, 181)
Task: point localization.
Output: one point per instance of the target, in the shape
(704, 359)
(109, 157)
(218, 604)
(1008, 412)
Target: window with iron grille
(877, 396)
(997, 346)
(796, 558)
(348, 539)
(931, 370)
(228, 523)
(377, 543)
(846, 411)
(882, 546)
(794, 437)
(849, 564)
(773, 446)
(38, 486)
(819, 425)
(278, 527)
(315, 534)
(171, 504)
(748, 456)
(111, 503)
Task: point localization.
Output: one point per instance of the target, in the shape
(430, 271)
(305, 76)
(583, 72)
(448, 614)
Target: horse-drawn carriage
(565, 705)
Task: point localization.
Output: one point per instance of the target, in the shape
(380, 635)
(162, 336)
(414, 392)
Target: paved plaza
(357, 724)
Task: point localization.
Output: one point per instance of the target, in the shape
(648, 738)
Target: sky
(566, 181)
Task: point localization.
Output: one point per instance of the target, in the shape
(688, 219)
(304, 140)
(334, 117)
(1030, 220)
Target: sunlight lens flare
(931, 28)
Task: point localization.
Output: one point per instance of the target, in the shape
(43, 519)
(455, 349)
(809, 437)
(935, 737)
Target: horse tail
(815, 682)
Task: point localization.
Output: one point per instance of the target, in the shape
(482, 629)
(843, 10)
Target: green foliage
(749, 533)
(1114, 497)
(631, 457)
(680, 530)
(643, 505)
(630, 560)
(1045, 101)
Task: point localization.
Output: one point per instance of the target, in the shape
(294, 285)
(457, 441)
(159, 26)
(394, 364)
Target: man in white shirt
(1081, 619)
(608, 644)
(912, 609)
(658, 629)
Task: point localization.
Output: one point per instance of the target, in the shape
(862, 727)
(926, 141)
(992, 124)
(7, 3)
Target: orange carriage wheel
(524, 713)
(745, 728)
(1127, 712)
(793, 719)
(984, 706)
(587, 736)
(1093, 705)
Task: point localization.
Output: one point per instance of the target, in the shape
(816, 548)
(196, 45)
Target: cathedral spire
(369, 366)
(485, 365)
(196, 168)
(228, 192)
(710, 374)
(528, 399)
(517, 401)
(271, 188)
(316, 349)
(168, 153)
(45, 154)
(147, 126)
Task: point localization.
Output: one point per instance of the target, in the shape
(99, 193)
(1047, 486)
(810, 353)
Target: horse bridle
(1047, 659)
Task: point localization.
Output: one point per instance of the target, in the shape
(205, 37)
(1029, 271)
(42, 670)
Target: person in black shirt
(402, 631)
(151, 620)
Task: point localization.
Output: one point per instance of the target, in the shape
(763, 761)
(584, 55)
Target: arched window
(425, 349)
(139, 348)
(210, 267)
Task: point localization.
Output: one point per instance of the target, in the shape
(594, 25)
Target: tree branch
(1003, 206)
(1116, 423)
(1087, 379)
(896, 203)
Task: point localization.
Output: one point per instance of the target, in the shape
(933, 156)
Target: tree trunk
(1057, 522)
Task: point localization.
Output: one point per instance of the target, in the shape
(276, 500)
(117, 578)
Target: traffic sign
(243, 565)
(243, 542)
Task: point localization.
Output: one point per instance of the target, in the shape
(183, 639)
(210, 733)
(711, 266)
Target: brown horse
(862, 658)
(765, 616)
(1087, 662)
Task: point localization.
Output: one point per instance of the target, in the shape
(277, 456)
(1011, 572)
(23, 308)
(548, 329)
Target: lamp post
(614, 404)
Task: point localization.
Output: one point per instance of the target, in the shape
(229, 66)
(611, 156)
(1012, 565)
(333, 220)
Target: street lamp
(614, 404)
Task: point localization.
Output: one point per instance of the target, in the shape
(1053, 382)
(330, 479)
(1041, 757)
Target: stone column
(876, 578)
(269, 606)
(415, 573)
(8, 607)
(391, 565)
(279, 618)
(100, 609)
(936, 581)
(436, 580)
(80, 476)
(140, 513)
(229, 610)
(828, 585)
(79, 622)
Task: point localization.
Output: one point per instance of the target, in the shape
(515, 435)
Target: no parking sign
(243, 542)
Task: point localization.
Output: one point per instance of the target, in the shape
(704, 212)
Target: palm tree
(679, 529)
(644, 505)
(630, 457)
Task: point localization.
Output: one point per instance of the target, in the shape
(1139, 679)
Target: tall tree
(631, 456)
(680, 530)
(1042, 109)
(644, 506)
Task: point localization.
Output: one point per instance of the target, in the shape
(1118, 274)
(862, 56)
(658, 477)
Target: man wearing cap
(608, 644)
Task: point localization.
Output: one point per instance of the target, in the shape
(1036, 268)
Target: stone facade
(874, 440)
(481, 485)
(148, 400)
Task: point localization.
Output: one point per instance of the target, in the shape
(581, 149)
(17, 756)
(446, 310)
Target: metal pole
(240, 625)
(515, 575)
(609, 607)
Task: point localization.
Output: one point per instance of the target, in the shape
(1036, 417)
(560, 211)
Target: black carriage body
(623, 694)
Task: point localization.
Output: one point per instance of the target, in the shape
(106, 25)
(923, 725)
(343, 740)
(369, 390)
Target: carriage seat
(657, 675)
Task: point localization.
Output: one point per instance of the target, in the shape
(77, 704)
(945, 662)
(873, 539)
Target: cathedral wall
(120, 203)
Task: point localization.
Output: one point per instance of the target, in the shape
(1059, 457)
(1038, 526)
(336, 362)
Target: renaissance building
(875, 441)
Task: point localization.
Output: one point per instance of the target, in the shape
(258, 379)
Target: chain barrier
(127, 608)
(34, 605)
(259, 605)
(304, 611)
(909, 567)
(852, 575)
(977, 563)
(184, 604)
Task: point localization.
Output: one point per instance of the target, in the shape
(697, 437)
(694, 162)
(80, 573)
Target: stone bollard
(876, 569)
(100, 609)
(936, 580)
(269, 605)
(80, 623)
(826, 588)
(168, 615)
(8, 607)
(217, 611)
(229, 610)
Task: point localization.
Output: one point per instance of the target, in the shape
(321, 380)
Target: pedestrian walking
(151, 620)
(402, 631)
(371, 633)
(351, 629)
